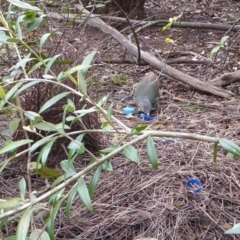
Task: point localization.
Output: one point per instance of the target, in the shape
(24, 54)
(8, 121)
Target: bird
(146, 92)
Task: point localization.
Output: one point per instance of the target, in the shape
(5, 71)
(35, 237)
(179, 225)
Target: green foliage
(221, 45)
(40, 135)
(230, 146)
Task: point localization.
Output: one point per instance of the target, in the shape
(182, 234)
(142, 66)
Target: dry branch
(226, 79)
(152, 60)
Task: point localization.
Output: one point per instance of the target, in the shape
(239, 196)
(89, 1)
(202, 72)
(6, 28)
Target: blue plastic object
(146, 117)
(128, 110)
(193, 185)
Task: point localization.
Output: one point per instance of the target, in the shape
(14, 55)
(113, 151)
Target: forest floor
(136, 201)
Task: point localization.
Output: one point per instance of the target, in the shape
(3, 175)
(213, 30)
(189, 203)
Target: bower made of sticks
(35, 97)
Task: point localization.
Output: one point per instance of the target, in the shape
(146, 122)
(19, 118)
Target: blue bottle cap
(128, 110)
(146, 117)
(193, 185)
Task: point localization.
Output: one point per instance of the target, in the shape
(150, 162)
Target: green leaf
(12, 90)
(2, 93)
(45, 151)
(87, 61)
(106, 127)
(102, 101)
(26, 86)
(107, 166)
(22, 188)
(94, 181)
(77, 68)
(13, 145)
(234, 230)
(138, 129)
(24, 5)
(13, 125)
(11, 203)
(152, 153)
(33, 116)
(110, 149)
(6, 143)
(22, 63)
(67, 167)
(39, 234)
(76, 143)
(50, 63)
(3, 222)
(84, 194)
(35, 24)
(50, 127)
(70, 199)
(82, 85)
(41, 142)
(23, 225)
(83, 112)
(53, 100)
(223, 40)
(109, 113)
(14, 237)
(50, 225)
(230, 146)
(131, 153)
(47, 172)
(215, 50)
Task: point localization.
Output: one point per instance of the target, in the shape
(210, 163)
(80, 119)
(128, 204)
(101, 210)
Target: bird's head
(145, 106)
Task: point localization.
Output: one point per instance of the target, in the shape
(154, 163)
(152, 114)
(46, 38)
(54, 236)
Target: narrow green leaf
(85, 111)
(110, 149)
(109, 113)
(84, 194)
(41, 142)
(23, 225)
(11, 203)
(24, 5)
(13, 125)
(102, 101)
(45, 151)
(52, 101)
(234, 230)
(50, 63)
(107, 166)
(22, 63)
(230, 146)
(138, 129)
(94, 181)
(33, 116)
(131, 153)
(82, 85)
(50, 225)
(12, 91)
(87, 61)
(39, 234)
(14, 237)
(70, 199)
(152, 153)
(26, 86)
(2, 93)
(67, 167)
(3, 223)
(22, 188)
(76, 143)
(13, 145)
